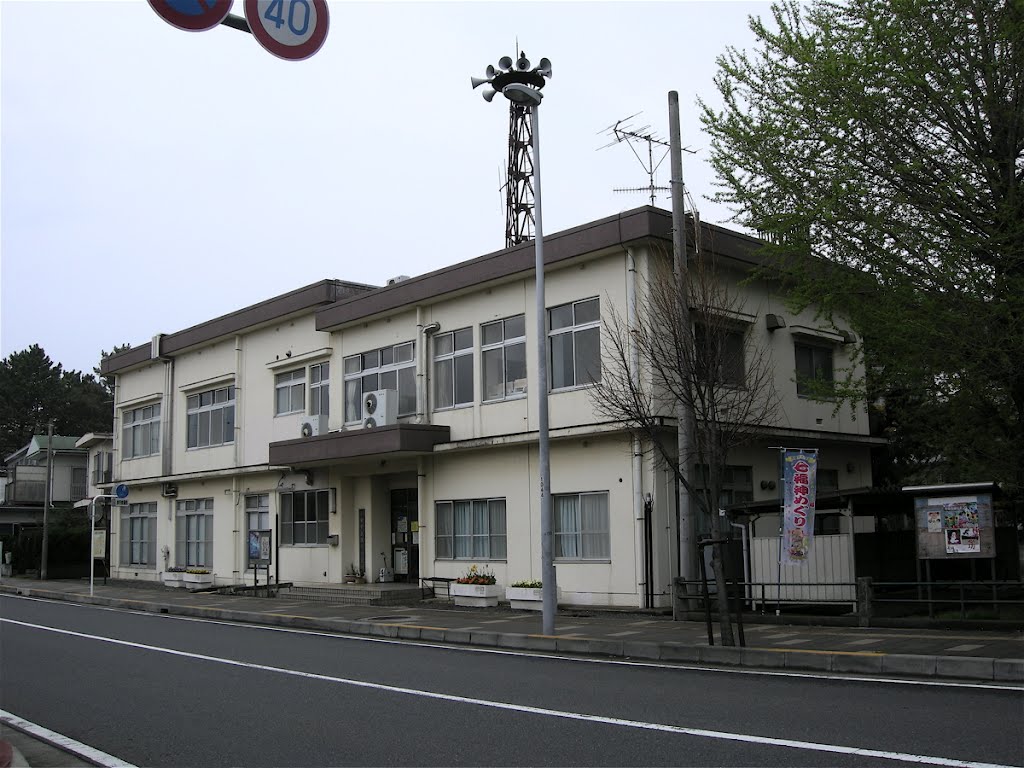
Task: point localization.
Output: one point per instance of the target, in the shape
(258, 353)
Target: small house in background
(26, 471)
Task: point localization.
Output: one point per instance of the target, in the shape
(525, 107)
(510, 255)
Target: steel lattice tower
(519, 221)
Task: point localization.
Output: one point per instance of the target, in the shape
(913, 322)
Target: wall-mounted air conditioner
(380, 408)
(169, 490)
(311, 426)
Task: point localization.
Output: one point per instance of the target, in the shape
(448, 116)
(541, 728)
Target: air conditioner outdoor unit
(311, 426)
(169, 490)
(380, 408)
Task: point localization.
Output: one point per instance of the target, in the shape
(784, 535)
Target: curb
(908, 665)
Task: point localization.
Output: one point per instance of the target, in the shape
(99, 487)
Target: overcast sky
(154, 178)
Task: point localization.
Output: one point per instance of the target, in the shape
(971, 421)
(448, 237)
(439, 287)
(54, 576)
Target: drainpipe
(642, 554)
(423, 367)
(240, 402)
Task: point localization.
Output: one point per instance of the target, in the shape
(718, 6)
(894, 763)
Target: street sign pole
(92, 535)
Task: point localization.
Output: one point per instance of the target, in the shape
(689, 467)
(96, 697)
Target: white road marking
(66, 743)
(458, 647)
(864, 642)
(965, 647)
(542, 711)
(794, 641)
(623, 634)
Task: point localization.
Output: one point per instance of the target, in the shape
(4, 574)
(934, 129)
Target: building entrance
(405, 535)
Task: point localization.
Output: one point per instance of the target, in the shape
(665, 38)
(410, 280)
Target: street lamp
(521, 85)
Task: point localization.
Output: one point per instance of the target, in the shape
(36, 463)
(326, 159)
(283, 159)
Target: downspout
(642, 553)
(167, 409)
(421, 369)
(239, 402)
(241, 521)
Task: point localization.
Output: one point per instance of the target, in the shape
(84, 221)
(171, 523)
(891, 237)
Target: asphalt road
(165, 691)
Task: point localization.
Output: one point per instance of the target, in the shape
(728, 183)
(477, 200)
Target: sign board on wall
(954, 527)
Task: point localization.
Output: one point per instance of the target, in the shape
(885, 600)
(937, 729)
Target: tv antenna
(623, 131)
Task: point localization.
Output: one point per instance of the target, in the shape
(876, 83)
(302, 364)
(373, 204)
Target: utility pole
(684, 410)
(49, 499)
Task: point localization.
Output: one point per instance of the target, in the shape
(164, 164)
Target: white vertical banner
(799, 471)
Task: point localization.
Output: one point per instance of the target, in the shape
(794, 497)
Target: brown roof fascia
(325, 292)
(627, 227)
(358, 443)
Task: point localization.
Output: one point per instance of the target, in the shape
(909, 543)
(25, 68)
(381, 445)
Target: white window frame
(576, 541)
(323, 500)
(290, 385)
(320, 389)
(360, 371)
(510, 388)
(137, 421)
(194, 407)
(576, 329)
(193, 526)
(138, 535)
(482, 534)
(451, 351)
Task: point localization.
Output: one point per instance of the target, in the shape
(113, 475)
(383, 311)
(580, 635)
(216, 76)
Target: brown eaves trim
(627, 227)
(359, 443)
(323, 293)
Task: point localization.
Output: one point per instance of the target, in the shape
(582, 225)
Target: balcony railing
(26, 491)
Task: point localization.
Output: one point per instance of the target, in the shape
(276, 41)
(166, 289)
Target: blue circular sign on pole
(192, 15)
(290, 29)
(121, 491)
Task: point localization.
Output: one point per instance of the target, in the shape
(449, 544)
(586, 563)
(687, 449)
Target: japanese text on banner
(799, 475)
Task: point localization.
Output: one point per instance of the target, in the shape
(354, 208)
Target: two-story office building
(400, 424)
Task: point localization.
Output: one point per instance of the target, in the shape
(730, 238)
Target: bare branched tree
(695, 353)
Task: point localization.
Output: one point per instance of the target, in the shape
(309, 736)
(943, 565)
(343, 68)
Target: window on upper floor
(719, 355)
(140, 431)
(580, 526)
(102, 467)
(503, 349)
(472, 529)
(814, 369)
(453, 368)
(193, 533)
(575, 339)
(320, 389)
(385, 368)
(290, 392)
(210, 418)
(827, 479)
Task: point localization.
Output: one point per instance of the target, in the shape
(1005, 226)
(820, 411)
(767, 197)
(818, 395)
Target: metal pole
(782, 523)
(92, 536)
(684, 415)
(549, 591)
(49, 501)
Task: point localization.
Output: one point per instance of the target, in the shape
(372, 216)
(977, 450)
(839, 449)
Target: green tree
(887, 136)
(34, 390)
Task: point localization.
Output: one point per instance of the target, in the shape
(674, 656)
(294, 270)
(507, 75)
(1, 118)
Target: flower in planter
(199, 571)
(176, 569)
(528, 584)
(476, 576)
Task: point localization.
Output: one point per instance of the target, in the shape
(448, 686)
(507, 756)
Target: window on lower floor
(304, 517)
(138, 535)
(737, 483)
(470, 529)
(453, 368)
(575, 339)
(827, 480)
(210, 418)
(580, 526)
(814, 370)
(193, 533)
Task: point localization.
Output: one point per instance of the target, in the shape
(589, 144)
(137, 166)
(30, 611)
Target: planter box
(476, 595)
(198, 580)
(525, 598)
(173, 579)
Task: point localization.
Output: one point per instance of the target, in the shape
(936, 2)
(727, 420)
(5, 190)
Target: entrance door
(405, 535)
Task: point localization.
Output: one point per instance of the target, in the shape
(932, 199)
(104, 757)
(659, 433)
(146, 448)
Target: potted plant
(354, 575)
(174, 577)
(526, 595)
(477, 588)
(198, 578)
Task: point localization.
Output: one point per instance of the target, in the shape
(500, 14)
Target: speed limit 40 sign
(290, 29)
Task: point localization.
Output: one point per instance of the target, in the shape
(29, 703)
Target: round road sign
(121, 491)
(291, 29)
(192, 15)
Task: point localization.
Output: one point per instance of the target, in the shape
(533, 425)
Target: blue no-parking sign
(192, 15)
(290, 29)
(121, 491)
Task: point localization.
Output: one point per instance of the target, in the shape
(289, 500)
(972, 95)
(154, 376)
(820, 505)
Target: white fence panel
(828, 574)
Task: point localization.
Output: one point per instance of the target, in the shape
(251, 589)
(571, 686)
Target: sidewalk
(979, 655)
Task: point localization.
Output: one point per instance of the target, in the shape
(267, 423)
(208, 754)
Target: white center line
(542, 711)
